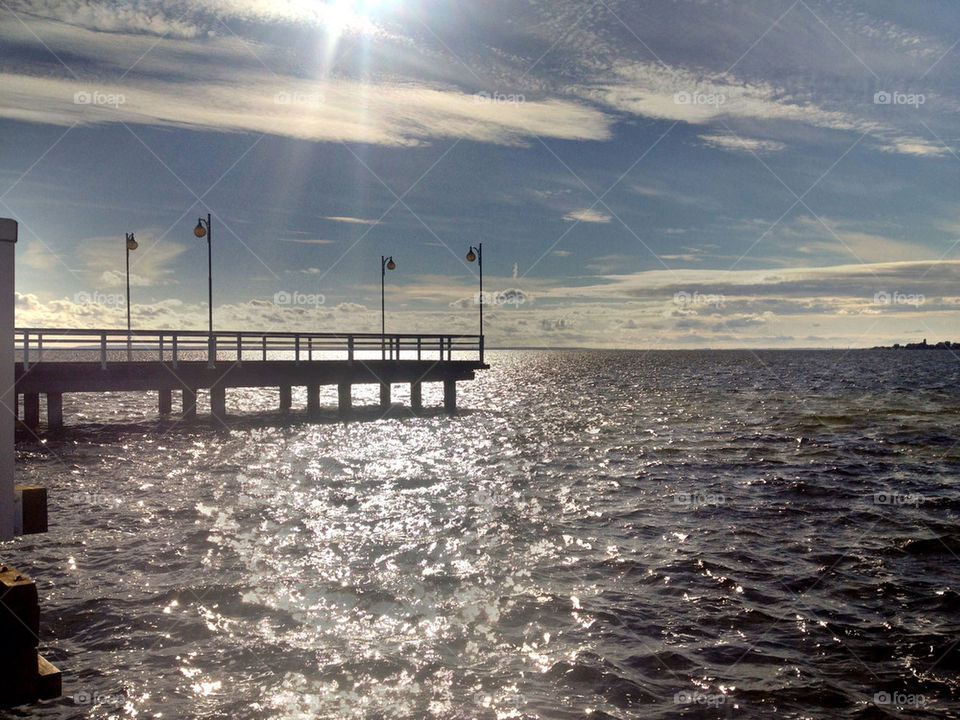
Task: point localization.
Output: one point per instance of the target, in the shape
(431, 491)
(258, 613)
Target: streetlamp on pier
(131, 245)
(386, 263)
(476, 253)
(204, 230)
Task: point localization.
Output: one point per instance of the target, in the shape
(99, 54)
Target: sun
(341, 18)
(351, 16)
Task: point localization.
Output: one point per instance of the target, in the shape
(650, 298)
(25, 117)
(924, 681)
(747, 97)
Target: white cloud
(914, 146)
(587, 215)
(822, 306)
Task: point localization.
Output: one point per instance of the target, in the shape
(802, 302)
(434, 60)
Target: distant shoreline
(942, 345)
(924, 345)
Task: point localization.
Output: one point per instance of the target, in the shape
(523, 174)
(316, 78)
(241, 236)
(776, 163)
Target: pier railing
(35, 345)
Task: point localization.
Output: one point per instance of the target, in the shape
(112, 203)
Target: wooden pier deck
(54, 362)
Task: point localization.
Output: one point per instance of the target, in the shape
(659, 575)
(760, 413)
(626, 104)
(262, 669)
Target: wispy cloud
(308, 240)
(113, 17)
(749, 145)
(103, 258)
(351, 220)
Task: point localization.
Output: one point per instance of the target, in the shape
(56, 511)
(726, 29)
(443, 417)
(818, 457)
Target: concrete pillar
(31, 410)
(450, 396)
(218, 402)
(286, 398)
(416, 396)
(313, 398)
(344, 400)
(54, 411)
(189, 404)
(8, 508)
(384, 396)
(165, 401)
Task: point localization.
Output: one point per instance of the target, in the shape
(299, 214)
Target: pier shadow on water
(174, 424)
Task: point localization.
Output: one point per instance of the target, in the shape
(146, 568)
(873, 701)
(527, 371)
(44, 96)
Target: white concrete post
(8, 506)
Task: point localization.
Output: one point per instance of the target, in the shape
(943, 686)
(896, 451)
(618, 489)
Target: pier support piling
(286, 398)
(384, 396)
(416, 396)
(31, 410)
(450, 396)
(218, 402)
(344, 400)
(189, 403)
(55, 411)
(27, 677)
(165, 401)
(8, 393)
(313, 399)
(33, 504)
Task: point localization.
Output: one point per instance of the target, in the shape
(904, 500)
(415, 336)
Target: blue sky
(661, 174)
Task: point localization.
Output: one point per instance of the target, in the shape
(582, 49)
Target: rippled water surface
(598, 534)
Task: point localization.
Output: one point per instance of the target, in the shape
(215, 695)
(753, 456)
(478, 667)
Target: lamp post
(131, 245)
(203, 229)
(386, 263)
(476, 253)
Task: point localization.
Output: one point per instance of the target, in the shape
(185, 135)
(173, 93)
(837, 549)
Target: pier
(55, 361)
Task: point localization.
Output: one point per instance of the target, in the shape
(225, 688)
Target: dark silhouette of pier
(53, 362)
